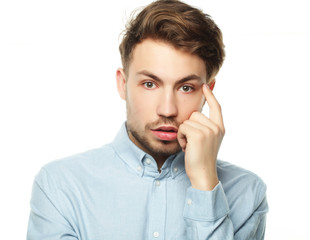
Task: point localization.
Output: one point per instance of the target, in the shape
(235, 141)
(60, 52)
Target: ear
(212, 84)
(121, 83)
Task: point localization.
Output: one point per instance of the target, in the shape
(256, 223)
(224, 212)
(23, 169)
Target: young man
(160, 177)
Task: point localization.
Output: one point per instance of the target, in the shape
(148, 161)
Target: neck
(160, 162)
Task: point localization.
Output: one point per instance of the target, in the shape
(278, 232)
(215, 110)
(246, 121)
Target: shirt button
(175, 169)
(189, 201)
(148, 161)
(139, 168)
(155, 234)
(157, 183)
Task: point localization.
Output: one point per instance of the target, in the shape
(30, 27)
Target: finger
(181, 136)
(191, 129)
(215, 111)
(203, 121)
(184, 133)
(182, 141)
(204, 132)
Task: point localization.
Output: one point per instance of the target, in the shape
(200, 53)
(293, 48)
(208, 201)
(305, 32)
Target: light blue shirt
(116, 192)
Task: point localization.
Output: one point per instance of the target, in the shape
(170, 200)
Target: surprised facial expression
(163, 87)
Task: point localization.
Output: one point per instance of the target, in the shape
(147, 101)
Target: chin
(167, 148)
(152, 146)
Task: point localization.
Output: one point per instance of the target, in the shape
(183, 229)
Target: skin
(167, 87)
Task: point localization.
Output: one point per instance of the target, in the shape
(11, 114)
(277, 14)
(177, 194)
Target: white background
(58, 96)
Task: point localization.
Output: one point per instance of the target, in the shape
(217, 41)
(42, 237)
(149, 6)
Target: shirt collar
(142, 163)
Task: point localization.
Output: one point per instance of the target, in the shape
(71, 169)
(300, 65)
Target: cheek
(138, 106)
(190, 104)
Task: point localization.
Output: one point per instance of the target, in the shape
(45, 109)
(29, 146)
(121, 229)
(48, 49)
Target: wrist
(205, 184)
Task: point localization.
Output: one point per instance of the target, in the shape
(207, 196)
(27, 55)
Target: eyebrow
(182, 80)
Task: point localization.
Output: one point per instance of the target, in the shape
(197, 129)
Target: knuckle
(185, 122)
(219, 106)
(206, 133)
(181, 127)
(194, 115)
(217, 131)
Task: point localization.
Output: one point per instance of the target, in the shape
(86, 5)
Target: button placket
(158, 209)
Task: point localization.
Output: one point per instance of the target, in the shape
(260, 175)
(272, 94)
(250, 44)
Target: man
(160, 177)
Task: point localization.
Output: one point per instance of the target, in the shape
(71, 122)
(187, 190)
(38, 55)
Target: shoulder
(76, 168)
(241, 185)
(230, 173)
(245, 193)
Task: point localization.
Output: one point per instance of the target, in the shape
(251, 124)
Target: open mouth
(162, 130)
(165, 133)
(166, 129)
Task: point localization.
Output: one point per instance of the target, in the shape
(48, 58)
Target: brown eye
(149, 85)
(186, 88)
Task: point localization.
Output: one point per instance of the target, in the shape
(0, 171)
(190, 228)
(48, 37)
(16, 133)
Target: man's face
(163, 88)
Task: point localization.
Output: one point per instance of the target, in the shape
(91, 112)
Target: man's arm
(206, 209)
(206, 214)
(46, 221)
(200, 137)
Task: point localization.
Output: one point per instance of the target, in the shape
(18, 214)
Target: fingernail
(206, 86)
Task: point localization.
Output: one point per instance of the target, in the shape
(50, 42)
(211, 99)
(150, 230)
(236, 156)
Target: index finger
(215, 110)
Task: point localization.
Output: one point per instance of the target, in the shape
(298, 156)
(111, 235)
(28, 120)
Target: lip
(165, 133)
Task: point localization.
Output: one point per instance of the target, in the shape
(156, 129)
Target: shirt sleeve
(46, 221)
(206, 214)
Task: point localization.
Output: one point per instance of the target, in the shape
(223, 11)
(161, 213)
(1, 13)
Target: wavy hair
(174, 22)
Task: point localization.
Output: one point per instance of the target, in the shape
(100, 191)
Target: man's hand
(200, 137)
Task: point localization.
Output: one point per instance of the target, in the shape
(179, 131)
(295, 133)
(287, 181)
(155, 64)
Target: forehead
(165, 61)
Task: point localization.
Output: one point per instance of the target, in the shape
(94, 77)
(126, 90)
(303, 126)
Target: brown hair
(179, 24)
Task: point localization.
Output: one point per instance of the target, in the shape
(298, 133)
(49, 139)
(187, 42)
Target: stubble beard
(159, 149)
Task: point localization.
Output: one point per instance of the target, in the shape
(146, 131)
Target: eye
(186, 88)
(149, 85)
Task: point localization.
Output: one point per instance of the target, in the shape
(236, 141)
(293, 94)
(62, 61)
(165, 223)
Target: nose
(167, 105)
